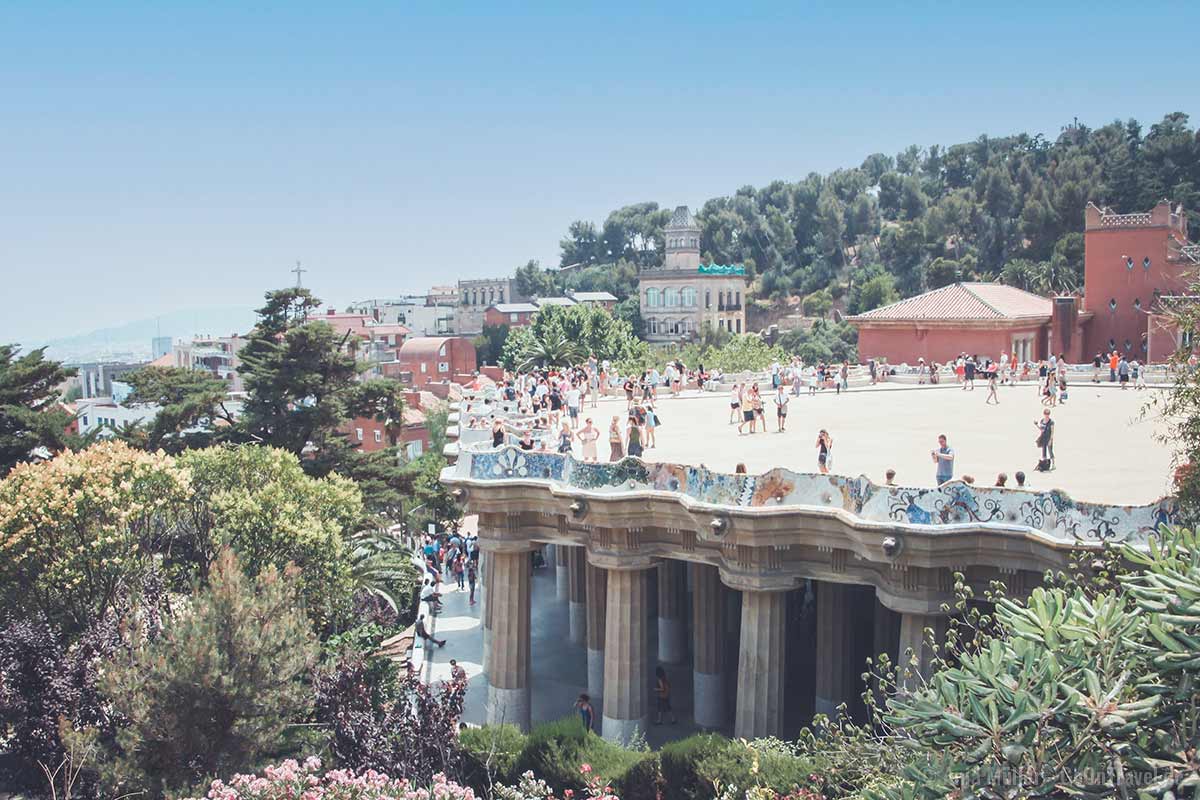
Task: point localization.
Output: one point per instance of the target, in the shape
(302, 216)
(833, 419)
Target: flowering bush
(79, 531)
(292, 780)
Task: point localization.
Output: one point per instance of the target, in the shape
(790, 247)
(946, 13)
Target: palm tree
(380, 566)
(553, 349)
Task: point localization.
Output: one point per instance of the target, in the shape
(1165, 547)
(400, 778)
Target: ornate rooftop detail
(682, 218)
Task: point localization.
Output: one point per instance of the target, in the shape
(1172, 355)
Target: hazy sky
(164, 155)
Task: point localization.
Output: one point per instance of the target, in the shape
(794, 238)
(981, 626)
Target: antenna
(299, 271)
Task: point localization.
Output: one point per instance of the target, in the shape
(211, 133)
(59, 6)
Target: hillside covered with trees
(1007, 208)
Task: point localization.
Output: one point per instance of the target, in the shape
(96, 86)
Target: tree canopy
(28, 392)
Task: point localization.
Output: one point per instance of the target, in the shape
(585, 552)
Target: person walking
(781, 407)
(992, 398)
(747, 405)
(824, 446)
(651, 426)
(735, 404)
(662, 697)
(616, 448)
(943, 457)
(472, 578)
(586, 713)
(633, 437)
(1123, 372)
(1045, 441)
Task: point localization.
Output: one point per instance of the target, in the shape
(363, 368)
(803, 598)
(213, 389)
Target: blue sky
(162, 155)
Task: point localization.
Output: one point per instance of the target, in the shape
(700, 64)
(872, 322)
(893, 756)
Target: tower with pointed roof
(684, 296)
(682, 236)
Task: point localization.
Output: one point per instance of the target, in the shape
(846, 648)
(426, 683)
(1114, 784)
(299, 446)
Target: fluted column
(761, 665)
(626, 660)
(834, 646)
(672, 623)
(485, 610)
(597, 599)
(508, 665)
(915, 655)
(562, 573)
(708, 649)
(577, 591)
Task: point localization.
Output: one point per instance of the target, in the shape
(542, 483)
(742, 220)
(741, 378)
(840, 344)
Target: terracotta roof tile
(965, 301)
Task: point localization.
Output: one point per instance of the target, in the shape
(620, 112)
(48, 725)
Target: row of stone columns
(608, 615)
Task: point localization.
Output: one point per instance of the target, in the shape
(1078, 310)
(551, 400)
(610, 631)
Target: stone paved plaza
(1104, 446)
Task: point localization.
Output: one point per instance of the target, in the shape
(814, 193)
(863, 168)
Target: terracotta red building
(514, 315)
(1133, 265)
(1130, 261)
(431, 359)
(984, 319)
(370, 435)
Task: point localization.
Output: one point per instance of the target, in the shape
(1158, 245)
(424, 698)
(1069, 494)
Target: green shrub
(642, 781)
(489, 755)
(693, 767)
(554, 751)
(681, 761)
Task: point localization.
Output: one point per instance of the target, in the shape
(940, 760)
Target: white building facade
(678, 299)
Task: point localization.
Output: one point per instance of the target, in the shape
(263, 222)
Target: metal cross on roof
(299, 271)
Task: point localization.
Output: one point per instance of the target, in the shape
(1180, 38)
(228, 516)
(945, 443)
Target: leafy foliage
(292, 779)
(28, 393)
(191, 407)
(563, 335)
(410, 730)
(78, 532)
(217, 689)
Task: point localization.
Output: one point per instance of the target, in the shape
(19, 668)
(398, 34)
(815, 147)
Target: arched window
(501, 295)
(672, 297)
(474, 297)
(491, 296)
(466, 297)
(652, 324)
(689, 296)
(652, 298)
(738, 301)
(708, 298)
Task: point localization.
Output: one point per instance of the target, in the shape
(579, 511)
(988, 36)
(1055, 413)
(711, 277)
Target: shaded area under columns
(577, 593)
(672, 604)
(708, 665)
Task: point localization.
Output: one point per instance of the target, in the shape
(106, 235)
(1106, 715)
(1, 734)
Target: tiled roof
(593, 297)
(966, 301)
(682, 218)
(554, 301)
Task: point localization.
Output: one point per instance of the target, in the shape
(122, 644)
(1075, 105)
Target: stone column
(761, 665)
(509, 605)
(597, 599)
(708, 650)
(915, 655)
(577, 590)
(562, 573)
(626, 656)
(834, 646)
(672, 622)
(485, 609)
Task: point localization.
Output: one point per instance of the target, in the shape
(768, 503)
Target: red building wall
(900, 345)
(1118, 295)
(494, 317)
(434, 359)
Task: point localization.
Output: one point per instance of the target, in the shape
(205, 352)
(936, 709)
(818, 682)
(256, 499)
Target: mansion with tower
(683, 295)
(1137, 267)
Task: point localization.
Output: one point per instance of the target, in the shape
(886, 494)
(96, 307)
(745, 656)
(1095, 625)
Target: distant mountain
(132, 341)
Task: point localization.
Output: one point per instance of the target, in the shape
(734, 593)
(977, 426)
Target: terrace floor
(1105, 444)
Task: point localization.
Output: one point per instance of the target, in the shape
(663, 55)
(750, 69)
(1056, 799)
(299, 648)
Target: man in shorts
(781, 406)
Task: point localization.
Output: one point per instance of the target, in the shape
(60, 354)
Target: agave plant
(1076, 696)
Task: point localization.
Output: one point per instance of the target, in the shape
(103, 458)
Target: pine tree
(215, 691)
(28, 391)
